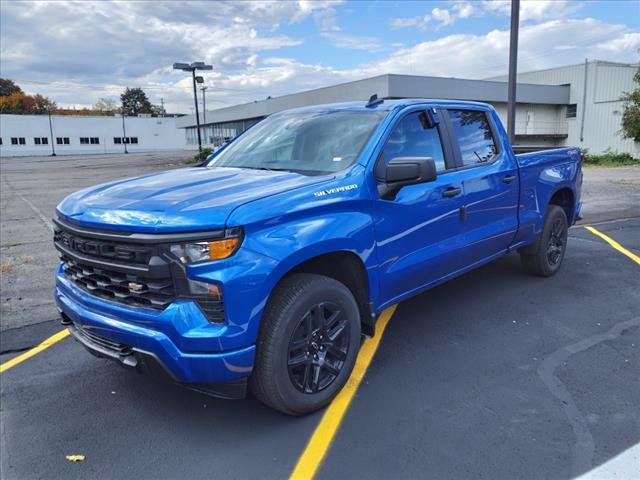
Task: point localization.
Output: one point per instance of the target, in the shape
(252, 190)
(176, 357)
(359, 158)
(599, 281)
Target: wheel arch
(347, 268)
(564, 198)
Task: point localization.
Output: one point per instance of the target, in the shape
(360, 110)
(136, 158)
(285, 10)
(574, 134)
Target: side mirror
(403, 171)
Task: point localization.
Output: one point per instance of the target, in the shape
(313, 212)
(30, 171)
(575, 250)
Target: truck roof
(385, 105)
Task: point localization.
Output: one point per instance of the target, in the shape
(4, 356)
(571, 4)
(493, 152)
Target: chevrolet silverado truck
(263, 267)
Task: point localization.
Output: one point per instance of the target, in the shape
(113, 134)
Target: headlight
(208, 250)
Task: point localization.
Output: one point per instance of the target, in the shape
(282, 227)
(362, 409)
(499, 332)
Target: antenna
(373, 101)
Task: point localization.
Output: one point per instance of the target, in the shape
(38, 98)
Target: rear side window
(473, 131)
(411, 139)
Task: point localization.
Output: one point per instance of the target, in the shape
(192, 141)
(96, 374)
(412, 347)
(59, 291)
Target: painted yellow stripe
(320, 441)
(34, 351)
(615, 245)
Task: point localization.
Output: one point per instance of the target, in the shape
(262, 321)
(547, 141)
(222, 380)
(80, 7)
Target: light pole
(186, 67)
(53, 147)
(124, 133)
(513, 70)
(204, 105)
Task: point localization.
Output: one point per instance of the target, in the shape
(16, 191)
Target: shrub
(201, 156)
(609, 159)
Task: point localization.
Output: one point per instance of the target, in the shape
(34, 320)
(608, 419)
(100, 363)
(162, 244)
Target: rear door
(419, 232)
(490, 183)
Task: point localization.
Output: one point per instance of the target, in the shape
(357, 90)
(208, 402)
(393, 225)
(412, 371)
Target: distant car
(264, 266)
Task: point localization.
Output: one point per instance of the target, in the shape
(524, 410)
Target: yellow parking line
(320, 441)
(34, 351)
(615, 244)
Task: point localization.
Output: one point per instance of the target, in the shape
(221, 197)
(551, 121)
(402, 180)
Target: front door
(418, 233)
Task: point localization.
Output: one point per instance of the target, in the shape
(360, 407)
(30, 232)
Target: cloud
(76, 52)
(480, 56)
(418, 22)
(538, 10)
(341, 40)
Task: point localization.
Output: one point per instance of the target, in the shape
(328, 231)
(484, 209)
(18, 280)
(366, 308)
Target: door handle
(509, 179)
(451, 192)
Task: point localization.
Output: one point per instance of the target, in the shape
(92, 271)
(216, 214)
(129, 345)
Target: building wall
(602, 110)
(151, 133)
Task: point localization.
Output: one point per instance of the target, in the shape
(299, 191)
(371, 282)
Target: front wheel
(309, 340)
(545, 256)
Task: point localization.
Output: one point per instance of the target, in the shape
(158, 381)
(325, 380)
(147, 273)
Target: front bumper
(177, 343)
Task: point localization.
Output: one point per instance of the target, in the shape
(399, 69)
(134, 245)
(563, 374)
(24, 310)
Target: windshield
(311, 143)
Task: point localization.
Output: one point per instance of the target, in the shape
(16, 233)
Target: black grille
(121, 287)
(138, 272)
(130, 253)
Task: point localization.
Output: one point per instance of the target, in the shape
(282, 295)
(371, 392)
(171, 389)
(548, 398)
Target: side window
(411, 139)
(473, 131)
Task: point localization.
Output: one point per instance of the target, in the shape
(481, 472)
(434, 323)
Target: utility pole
(186, 67)
(53, 147)
(204, 105)
(513, 70)
(124, 133)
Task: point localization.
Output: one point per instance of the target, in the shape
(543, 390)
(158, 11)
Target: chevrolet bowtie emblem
(135, 287)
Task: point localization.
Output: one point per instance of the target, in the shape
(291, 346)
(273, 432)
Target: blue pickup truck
(264, 266)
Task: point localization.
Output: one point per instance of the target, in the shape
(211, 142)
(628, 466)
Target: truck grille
(127, 270)
(120, 287)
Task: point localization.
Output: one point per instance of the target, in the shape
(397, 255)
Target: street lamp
(204, 105)
(186, 67)
(124, 132)
(53, 148)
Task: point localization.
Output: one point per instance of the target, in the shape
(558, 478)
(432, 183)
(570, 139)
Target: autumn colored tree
(135, 101)
(14, 100)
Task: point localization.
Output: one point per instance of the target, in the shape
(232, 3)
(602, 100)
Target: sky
(76, 52)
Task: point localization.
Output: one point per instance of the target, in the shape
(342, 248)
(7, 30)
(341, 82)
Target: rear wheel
(308, 344)
(544, 257)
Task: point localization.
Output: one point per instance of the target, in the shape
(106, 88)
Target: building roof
(389, 86)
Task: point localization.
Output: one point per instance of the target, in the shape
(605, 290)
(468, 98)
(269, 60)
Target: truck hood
(188, 199)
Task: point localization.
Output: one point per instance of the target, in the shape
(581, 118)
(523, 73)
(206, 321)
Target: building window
(44, 140)
(62, 140)
(95, 141)
(134, 139)
(117, 140)
(36, 140)
(18, 141)
(14, 140)
(0, 140)
(572, 110)
(84, 140)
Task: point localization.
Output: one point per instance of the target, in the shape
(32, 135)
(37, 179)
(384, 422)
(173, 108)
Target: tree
(135, 101)
(106, 106)
(7, 87)
(631, 113)
(42, 105)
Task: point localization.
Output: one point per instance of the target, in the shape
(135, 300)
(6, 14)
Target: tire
(309, 340)
(545, 256)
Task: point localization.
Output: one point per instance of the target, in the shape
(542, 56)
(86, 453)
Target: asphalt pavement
(496, 374)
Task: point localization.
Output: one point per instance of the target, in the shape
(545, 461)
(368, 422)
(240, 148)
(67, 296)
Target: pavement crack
(584, 446)
(17, 350)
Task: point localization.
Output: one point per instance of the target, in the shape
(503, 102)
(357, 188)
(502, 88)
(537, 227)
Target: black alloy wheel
(318, 348)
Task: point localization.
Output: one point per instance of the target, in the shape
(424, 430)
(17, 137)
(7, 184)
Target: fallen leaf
(75, 458)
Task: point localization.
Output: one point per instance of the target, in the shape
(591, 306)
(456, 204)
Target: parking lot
(495, 374)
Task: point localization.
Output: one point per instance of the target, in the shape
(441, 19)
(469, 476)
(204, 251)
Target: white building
(31, 135)
(576, 105)
(594, 113)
